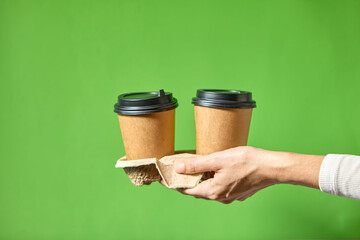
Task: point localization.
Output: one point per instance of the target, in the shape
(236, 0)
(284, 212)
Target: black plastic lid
(220, 98)
(145, 102)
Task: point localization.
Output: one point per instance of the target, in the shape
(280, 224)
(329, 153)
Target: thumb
(199, 164)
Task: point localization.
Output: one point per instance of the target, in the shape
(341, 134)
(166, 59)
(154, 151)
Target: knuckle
(213, 197)
(246, 151)
(213, 157)
(190, 167)
(216, 197)
(212, 192)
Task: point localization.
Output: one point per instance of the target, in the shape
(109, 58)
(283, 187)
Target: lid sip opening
(161, 93)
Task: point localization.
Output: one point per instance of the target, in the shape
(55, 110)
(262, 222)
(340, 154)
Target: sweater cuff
(329, 172)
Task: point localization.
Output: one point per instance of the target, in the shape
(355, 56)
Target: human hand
(242, 171)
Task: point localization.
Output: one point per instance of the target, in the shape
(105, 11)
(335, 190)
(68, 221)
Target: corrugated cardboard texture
(140, 172)
(143, 175)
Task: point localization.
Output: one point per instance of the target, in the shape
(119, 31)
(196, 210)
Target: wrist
(297, 169)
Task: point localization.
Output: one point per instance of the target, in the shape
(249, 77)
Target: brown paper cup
(147, 136)
(218, 129)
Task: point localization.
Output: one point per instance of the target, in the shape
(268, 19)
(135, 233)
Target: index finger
(199, 164)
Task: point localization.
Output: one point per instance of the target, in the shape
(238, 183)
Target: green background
(63, 63)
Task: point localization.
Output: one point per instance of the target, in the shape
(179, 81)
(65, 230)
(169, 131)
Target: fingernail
(180, 167)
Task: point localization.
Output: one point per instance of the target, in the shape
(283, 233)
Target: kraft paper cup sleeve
(172, 179)
(145, 171)
(140, 172)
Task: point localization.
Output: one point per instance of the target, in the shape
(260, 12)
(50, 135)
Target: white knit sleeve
(340, 175)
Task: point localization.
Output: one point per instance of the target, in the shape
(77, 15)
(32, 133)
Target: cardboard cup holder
(145, 171)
